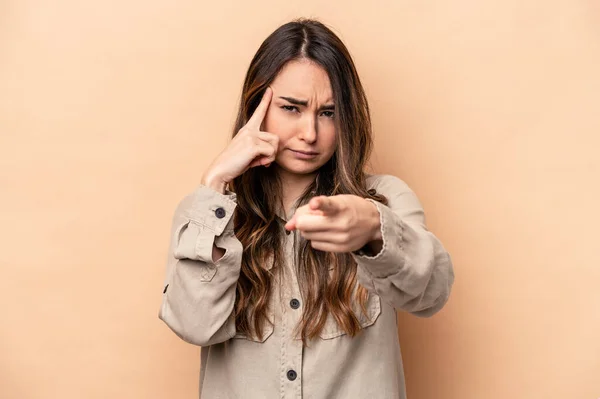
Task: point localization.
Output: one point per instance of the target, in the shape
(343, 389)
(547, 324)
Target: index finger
(323, 203)
(303, 210)
(260, 111)
(311, 223)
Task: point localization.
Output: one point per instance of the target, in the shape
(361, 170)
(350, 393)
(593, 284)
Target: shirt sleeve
(413, 272)
(199, 294)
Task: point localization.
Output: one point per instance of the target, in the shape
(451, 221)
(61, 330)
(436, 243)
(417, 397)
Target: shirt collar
(280, 213)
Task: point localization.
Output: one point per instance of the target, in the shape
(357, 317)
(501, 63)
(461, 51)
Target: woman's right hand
(249, 148)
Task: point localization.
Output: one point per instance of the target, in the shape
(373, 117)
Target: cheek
(328, 139)
(277, 124)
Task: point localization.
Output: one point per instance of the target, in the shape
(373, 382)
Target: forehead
(303, 79)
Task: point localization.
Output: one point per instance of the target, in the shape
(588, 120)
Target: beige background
(110, 111)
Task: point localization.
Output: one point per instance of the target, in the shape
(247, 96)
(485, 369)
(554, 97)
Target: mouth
(307, 153)
(304, 155)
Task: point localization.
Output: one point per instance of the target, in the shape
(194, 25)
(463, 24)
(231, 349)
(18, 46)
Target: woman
(288, 263)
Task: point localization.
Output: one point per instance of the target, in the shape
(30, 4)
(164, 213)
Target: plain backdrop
(110, 111)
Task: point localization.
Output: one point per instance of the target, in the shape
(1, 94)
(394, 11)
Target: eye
(290, 108)
(328, 114)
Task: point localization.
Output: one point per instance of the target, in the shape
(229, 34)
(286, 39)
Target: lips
(305, 152)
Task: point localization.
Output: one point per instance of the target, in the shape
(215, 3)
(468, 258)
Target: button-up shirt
(412, 273)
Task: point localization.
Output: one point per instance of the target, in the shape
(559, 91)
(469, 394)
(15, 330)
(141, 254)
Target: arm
(199, 292)
(411, 270)
(205, 256)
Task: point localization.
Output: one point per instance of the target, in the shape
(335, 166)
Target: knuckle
(344, 225)
(247, 139)
(243, 131)
(345, 236)
(350, 220)
(250, 141)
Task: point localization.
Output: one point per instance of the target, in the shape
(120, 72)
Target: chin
(299, 168)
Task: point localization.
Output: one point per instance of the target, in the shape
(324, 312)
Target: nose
(309, 131)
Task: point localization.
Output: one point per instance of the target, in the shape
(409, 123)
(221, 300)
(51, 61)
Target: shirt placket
(291, 347)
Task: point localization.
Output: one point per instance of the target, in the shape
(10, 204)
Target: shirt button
(294, 303)
(220, 213)
(291, 375)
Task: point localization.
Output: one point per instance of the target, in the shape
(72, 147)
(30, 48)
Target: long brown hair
(259, 190)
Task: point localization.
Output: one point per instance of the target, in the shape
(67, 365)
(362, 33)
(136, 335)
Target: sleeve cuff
(385, 262)
(212, 209)
(206, 214)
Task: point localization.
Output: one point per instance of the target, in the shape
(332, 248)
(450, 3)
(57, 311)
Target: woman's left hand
(340, 223)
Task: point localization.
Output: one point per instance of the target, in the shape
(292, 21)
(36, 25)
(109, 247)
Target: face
(301, 113)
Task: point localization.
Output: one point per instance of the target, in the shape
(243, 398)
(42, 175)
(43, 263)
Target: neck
(293, 185)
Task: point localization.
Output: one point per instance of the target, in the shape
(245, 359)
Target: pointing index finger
(260, 111)
(323, 203)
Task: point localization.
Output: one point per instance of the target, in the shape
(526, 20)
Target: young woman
(288, 263)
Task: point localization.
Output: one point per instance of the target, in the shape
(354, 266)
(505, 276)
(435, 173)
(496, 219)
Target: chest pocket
(333, 330)
(267, 329)
(267, 332)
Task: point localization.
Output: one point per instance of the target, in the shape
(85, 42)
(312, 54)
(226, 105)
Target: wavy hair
(259, 189)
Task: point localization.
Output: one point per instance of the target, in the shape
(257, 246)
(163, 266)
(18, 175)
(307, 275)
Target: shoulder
(388, 185)
(400, 197)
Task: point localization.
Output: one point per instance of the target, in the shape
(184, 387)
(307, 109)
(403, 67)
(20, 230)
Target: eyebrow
(295, 101)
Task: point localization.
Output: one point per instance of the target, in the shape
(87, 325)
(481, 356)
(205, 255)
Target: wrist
(375, 223)
(374, 244)
(214, 182)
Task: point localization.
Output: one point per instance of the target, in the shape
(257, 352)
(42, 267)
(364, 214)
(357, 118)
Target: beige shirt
(413, 273)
